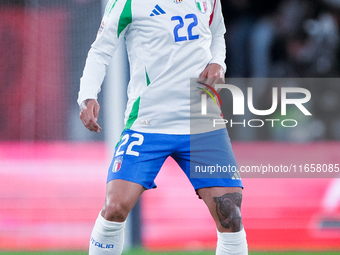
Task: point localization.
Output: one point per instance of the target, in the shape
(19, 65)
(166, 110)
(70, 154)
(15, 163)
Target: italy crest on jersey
(178, 1)
(202, 5)
(117, 164)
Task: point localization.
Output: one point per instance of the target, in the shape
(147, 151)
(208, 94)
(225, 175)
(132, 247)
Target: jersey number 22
(193, 24)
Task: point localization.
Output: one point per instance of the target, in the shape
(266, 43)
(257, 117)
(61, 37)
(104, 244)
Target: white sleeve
(113, 27)
(217, 28)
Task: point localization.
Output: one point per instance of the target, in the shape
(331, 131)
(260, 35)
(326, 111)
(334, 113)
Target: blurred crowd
(282, 38)
(287, 38)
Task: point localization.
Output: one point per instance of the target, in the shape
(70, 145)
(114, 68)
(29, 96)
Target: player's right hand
(89, 111)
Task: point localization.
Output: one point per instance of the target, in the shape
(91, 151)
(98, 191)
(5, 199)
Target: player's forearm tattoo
(228, 209)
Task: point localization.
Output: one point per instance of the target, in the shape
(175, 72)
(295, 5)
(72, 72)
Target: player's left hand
(212, 74)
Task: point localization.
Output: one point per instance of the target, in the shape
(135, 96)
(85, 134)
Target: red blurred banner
(50, 194)
(33, 50)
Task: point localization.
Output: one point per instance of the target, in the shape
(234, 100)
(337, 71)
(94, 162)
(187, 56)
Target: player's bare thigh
(224, 204)
(121, 197)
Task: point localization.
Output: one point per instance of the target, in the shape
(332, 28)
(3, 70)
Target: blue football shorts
(139, 157)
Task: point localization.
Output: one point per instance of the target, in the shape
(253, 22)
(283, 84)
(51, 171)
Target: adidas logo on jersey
(236, 175)
(157, 11)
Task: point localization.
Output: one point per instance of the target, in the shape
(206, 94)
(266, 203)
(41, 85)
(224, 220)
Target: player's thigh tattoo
(228, 208)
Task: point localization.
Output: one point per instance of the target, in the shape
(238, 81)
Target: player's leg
(220, 188)
(121, 197)
(107, 236)
(133, 169)
(224, 204)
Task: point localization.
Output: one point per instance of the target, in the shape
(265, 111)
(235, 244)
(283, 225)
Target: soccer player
(168, 42)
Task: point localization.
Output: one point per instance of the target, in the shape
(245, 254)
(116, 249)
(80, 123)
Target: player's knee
(115, 212)
(228, 208)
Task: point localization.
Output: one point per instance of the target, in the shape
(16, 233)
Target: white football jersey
(168, 42)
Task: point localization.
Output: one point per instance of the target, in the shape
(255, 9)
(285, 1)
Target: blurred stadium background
(53, 171)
